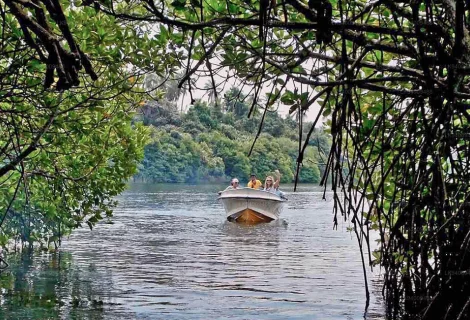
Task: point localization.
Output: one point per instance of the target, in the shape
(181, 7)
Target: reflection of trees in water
(48, 286)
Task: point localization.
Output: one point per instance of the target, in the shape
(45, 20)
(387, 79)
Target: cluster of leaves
(212, 142)
(64, 155)
(394, 80)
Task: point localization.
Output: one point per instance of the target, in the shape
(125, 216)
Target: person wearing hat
(234, 184)
(254, 183)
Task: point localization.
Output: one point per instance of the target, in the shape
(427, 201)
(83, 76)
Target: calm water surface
(170, 254)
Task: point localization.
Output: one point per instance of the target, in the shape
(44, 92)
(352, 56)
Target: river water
(170, 254)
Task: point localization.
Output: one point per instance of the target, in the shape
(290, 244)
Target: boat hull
(251, 206)
(249, 216)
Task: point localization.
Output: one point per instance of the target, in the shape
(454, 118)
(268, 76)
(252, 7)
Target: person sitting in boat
(254, 183)
(273, 186)
(234, 184)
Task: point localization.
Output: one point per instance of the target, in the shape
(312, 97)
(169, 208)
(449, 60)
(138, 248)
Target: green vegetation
(212, 142)
(64, 154)
(392, 77)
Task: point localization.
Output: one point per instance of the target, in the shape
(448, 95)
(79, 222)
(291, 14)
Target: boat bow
(251, 206)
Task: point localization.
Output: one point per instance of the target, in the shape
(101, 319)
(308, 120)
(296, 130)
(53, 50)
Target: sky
(185, 99)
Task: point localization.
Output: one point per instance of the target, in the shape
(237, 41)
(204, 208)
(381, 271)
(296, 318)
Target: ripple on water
(170, 254)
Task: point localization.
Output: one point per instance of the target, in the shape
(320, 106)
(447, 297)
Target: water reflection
(48, 286)
(171, 254)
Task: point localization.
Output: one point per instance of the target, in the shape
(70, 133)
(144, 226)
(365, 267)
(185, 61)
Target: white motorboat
(247, 205)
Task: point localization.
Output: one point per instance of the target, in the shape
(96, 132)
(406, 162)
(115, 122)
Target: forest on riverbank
(211, 142)
(392, 78)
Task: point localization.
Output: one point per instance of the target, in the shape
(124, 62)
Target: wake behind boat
(247, 205)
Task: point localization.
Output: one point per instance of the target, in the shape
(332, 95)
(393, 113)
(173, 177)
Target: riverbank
(212, 143)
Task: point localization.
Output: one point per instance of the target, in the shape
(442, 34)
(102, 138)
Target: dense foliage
(394, 80)
(64, 155)
(393, 77)
(212, 142)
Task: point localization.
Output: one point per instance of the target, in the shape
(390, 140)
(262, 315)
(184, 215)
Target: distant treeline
(211, 142)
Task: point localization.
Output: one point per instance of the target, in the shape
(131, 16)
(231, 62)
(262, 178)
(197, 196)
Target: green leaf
(179, 4)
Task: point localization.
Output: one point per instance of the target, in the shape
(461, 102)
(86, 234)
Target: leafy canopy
(64, 154)
(393, 79)
(391, 76)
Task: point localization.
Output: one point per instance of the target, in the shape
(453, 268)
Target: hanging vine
(392, 80)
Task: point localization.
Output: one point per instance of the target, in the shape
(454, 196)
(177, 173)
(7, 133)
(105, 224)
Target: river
(170, 254)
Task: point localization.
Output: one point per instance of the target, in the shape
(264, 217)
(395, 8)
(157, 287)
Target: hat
(235, 180)
(253, 174)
